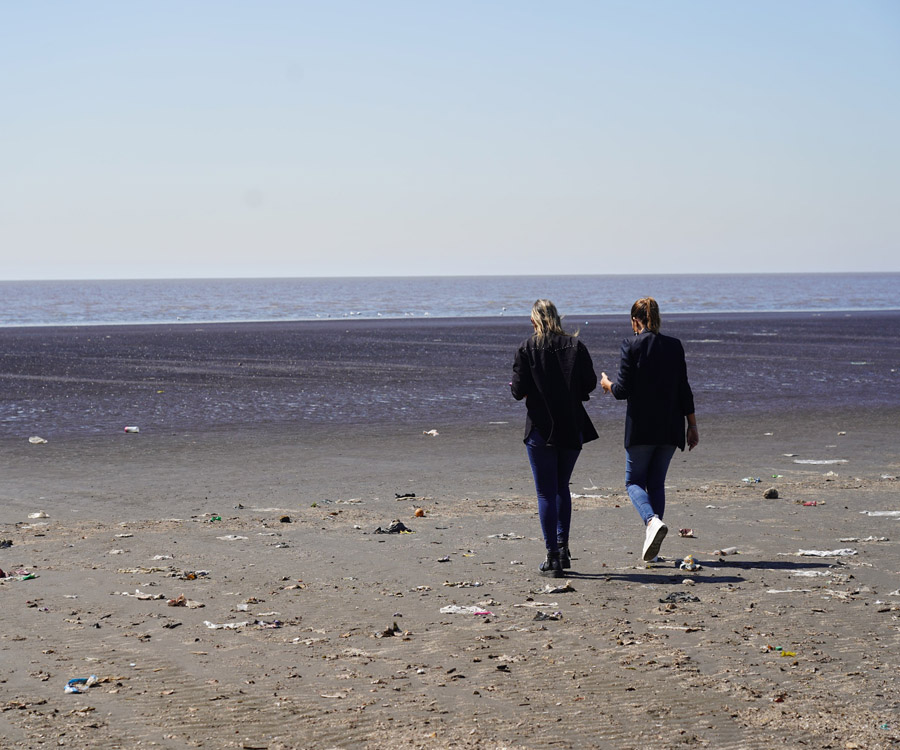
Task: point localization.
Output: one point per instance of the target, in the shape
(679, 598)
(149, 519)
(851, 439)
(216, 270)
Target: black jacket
(554, 376)
(653, 377)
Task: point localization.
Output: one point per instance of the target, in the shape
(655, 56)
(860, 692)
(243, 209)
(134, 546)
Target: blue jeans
(645, 478)
(552, 468)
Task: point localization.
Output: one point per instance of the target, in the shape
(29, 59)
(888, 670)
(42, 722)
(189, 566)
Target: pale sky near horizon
(227, 139)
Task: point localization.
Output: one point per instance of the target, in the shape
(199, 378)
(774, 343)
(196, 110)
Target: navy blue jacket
(653, 377)
(554, 376)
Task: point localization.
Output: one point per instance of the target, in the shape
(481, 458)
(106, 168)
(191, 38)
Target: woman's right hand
(605, 383)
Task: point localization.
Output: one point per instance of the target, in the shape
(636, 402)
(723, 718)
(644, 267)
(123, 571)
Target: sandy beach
(269, 457)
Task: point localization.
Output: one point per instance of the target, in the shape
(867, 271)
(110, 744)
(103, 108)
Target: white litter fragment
(537, 604)
(845, 552)
(455, 609)
(867, 539)
(433, 433)
(895, 593)
(39, 514)
(508, 536)
(881, 513)
(579, 496)
(820, 461)
(226, 625)
(161, 557)
(231, 537)
(810, 573)
(564, 588)
(789, 591)
(35, 440)
(138, 594)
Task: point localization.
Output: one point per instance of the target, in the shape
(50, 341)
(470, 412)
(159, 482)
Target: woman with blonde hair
(553, 372)
(653, 378)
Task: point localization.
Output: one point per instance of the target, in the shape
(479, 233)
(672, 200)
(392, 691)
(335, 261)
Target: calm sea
(45, 303)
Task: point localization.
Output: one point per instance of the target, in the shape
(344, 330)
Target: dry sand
(778, 650)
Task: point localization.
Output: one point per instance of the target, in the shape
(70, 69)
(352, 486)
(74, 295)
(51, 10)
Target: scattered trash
(848, 539)
(544, 616)
(509, 536)
(214, 518)
(132, 428)
(688, 582)
(811, 573)
(433, 433)
(463, 584)
(778, 476)
(725, 551)
(685, 628)
(182, 601)
(35, 440)
(788, 455)
(138, 594)
(404, 495)
(689, 564)
(19, 575)
(846, 552)
(564, 588)
(445, 558)
(226, 625)
(771, 494)
(193, 575)
(231, 537)
(810, 503)
(889, 477)
(6, 543)
(39, 514)
(842, 432)
(516, 562)
(455, 609)
(820, 461)
(789, 591)
(419, 513)
(81, 684)
(881, 513)
(396, 527)
(751, 480)
(537, 605)
(679, 597)
(687, 533)
(285, 519)
(389, 631)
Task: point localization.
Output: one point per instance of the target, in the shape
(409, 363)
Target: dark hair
(646, 311)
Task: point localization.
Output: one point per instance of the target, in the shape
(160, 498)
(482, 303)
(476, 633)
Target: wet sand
(780, 649)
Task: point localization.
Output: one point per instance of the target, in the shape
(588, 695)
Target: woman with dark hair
(653, 378)
(553, 372)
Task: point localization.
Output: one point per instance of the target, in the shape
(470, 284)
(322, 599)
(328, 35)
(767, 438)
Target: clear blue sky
(164, 139)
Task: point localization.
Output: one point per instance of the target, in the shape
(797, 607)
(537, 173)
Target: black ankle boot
(551, 567)
(565, 561)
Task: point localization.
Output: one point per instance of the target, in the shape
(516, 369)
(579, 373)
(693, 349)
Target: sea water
(50, 303)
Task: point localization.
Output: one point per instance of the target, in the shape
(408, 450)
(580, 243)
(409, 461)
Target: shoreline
(83, 381)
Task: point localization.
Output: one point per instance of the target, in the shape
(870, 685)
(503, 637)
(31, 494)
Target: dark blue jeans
(645, 478)
(552, 468)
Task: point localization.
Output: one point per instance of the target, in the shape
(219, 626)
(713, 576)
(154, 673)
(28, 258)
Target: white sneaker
(653, 539)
